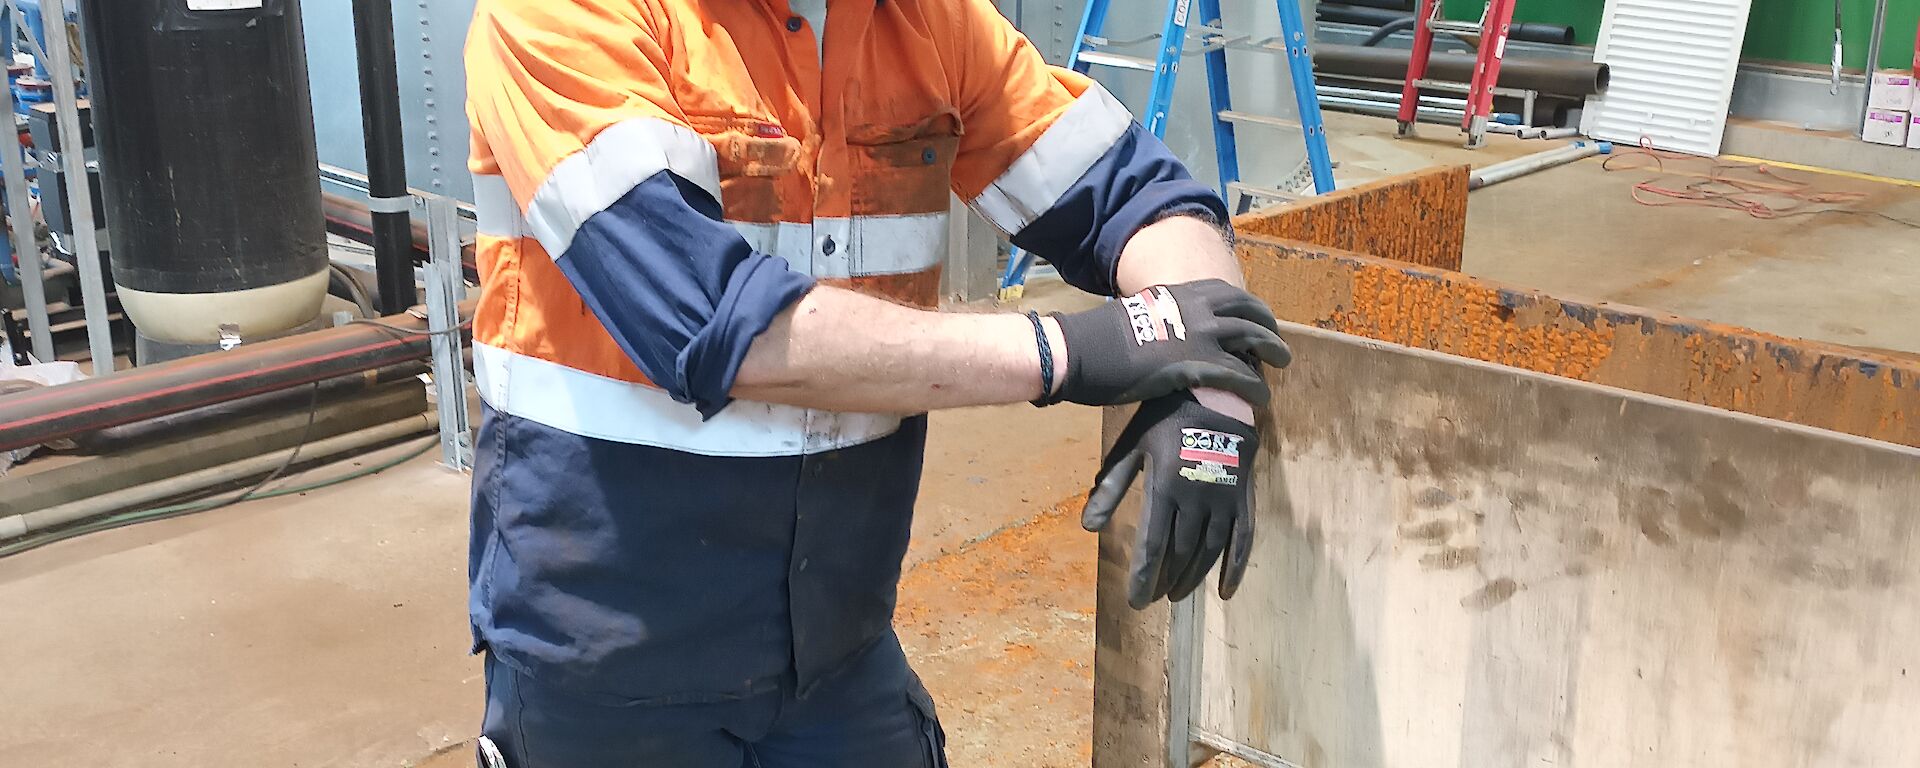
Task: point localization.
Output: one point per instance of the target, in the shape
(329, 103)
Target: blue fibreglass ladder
(1165, 67)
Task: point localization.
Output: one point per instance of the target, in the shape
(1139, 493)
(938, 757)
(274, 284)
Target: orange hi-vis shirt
(656, 180)
(840, 173)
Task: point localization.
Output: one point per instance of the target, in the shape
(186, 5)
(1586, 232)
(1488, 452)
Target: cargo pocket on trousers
(930, 731)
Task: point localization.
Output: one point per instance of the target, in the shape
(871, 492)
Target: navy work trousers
(873, 713)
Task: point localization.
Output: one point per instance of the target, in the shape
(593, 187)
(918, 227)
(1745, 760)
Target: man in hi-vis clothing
(710, 237)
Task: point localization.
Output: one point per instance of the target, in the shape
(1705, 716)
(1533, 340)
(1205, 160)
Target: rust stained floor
(1851, 277)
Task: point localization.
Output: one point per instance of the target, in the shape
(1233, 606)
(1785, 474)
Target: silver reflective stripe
(1037, 179)
(862, 245)
(495, 212)
(616, 161)
(589, 405)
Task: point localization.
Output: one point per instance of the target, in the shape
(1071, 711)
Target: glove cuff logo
(1155, 316)
(1213, 454)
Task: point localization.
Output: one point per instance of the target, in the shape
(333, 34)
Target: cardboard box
(1885, 127)
(1891, 91)
(1913, 133)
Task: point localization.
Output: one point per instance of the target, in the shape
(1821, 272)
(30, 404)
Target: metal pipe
(1559, 76)
(37, 416)
(40, 520)
(33, 286)
(445, 290)
(1511, 169)
(386, 154)
(73, 156)
(210, 443)
(1529, 132)
(349, 218)
(1875, 37)
(138, 433)
(1440, 102)
(1392, 109)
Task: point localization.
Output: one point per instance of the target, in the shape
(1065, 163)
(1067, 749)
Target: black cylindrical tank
(212, 187)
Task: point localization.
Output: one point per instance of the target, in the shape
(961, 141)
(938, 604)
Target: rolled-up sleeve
(620, 192)
(1054, 160)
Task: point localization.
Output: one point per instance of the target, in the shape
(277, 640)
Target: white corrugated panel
(1673, 63)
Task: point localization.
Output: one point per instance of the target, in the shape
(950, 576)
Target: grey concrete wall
(1461, 564)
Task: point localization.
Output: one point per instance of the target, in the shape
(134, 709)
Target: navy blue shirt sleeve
(678, 288)
(1137, 182)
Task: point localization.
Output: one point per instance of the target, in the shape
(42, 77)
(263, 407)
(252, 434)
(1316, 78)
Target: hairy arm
(840, 350)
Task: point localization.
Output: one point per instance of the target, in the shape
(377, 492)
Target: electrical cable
(124, 519)
(360, 297)
(306, 432)
(208, 505)
(464, 325)
(1751, 188)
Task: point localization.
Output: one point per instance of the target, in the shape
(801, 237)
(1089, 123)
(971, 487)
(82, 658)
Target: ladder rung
(1244, 117)
(1264, 192)
(1117, 60)
(1456, 27)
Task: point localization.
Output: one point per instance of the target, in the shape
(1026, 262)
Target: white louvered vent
(1673, 63)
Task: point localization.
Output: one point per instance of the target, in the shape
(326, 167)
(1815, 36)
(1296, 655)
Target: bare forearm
(1181, 249)
(840, 350)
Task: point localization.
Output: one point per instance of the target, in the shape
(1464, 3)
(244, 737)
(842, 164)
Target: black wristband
(1046, 397)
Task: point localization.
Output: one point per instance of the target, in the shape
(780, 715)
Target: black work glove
(1199, 500)
(1167, 339)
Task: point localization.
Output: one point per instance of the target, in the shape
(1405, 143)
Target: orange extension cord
(1757, 190)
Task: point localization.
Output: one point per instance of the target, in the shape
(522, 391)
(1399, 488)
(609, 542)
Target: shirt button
(827, 246)
(927, 156)
(793, 23)
(803, 563)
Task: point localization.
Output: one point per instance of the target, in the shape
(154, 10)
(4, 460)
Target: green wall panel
(1778, 30)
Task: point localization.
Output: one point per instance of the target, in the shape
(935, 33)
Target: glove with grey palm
(1198, 502)
(1167, 339)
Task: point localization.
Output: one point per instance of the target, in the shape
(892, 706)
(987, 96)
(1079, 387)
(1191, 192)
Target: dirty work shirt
(656, 180)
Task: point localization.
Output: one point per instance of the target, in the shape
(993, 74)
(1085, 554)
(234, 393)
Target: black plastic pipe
(1387, 30)
(1559, 76)
(1524, 31)
(386, 153)
(1405, 6)
(51, 413)
(349, 218)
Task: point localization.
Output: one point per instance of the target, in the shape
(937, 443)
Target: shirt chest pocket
(903, 166)
(761, 167)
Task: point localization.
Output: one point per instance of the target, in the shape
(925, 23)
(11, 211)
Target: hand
(1167, 339)
(1199, 496)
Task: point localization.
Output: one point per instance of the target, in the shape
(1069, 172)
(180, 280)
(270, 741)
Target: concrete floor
(329, 629)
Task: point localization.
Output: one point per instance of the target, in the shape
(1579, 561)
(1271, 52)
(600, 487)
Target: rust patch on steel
(1418, 218)
(1818, 384)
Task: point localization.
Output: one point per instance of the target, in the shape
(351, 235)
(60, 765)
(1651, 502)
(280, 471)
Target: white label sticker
(222, 5)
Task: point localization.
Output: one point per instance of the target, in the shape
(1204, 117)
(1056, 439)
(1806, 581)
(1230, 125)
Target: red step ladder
(1495, 20)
